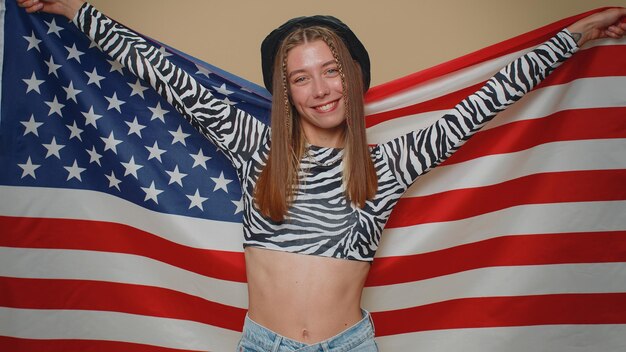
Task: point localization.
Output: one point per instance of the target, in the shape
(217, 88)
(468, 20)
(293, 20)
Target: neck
(332, 139)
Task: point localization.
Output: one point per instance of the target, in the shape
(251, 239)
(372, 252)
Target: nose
(320, 88)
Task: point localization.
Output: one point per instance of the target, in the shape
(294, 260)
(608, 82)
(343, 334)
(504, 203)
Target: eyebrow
(327, 63)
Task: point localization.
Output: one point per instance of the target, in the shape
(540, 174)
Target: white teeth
(326, 107)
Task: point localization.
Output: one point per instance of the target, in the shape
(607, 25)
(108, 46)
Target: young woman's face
(316, 92)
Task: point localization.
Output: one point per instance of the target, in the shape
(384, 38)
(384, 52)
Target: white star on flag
(31, 126)
(72, 92)
(131, 167)
(179, 136)
(151, 193)
(229, 102)
(75, 131)
(74, 171)
(176, 176)
(155, 152)
(113, 181)
(33, 83)
(116, 66)
(73, 53)
(94, 77)
(135, 127)
(203, 71)
(114, 103)
(239, 205)
(54, 28)
(164, 52)
(55, 106)
(52, 67)
(33, 42)
(137, 88)
(221, 182)
(199, 159)
(110, 143)
(222, 90)
(93, 44)
(196, 200)
(28, 169)
(54, 148)
(158, 112)
(94, 157)
(91, 117)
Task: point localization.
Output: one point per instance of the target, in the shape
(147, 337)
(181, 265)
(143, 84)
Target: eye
(333, 71)
(299, 79)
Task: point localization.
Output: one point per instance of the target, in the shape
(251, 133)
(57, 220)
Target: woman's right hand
(605, 24)
(67, 8)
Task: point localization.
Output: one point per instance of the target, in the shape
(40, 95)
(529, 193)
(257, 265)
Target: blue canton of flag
(74, 118)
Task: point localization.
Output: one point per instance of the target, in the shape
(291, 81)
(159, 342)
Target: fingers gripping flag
(120, 225)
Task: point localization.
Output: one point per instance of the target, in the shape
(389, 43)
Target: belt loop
(372, 323)
(277, 342)
(325, 347)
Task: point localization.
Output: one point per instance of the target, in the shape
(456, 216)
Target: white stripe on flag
(545, 338)
(60, 203)
(507, 281)
(120, 268)
(112, 326)
(551, 157)
(525, 219)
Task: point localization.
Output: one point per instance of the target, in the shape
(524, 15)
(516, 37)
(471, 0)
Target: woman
(316, 198)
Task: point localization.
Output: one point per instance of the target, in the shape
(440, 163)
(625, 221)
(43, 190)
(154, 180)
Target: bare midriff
(304, 297)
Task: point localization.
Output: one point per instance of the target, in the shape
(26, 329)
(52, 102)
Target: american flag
(119, 224)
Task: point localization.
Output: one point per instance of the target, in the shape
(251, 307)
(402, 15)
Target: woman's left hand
(605, 24)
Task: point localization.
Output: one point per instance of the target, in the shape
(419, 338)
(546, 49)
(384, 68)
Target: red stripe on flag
(568, 125)
(445, 102)
(554, 187)
(117, 297)
(14, 344)
(540, 249)
(595, 308)
(119, 238)
(579, 66)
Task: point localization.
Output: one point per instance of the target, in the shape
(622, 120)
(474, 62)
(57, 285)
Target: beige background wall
(402, 36)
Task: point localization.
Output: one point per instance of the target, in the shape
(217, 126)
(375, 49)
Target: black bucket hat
(270, 44)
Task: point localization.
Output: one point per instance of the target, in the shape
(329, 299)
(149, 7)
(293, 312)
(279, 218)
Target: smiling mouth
(326, 107)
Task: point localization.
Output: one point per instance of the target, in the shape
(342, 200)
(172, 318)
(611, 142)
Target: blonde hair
(278, 181)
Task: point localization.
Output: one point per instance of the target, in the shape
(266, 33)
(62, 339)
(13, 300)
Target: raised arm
(234, 131)
(419, 151)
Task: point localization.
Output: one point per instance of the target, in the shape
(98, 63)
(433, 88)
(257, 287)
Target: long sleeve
(234, 131)
(419, 151)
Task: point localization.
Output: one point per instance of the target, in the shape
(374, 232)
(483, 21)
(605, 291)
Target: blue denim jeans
(357, 338)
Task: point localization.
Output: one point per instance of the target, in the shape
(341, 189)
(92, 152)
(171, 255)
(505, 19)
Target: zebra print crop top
(321, 220)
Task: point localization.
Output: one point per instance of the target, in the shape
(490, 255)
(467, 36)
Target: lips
(326, 107)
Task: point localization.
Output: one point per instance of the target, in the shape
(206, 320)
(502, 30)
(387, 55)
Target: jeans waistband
(344, 341)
